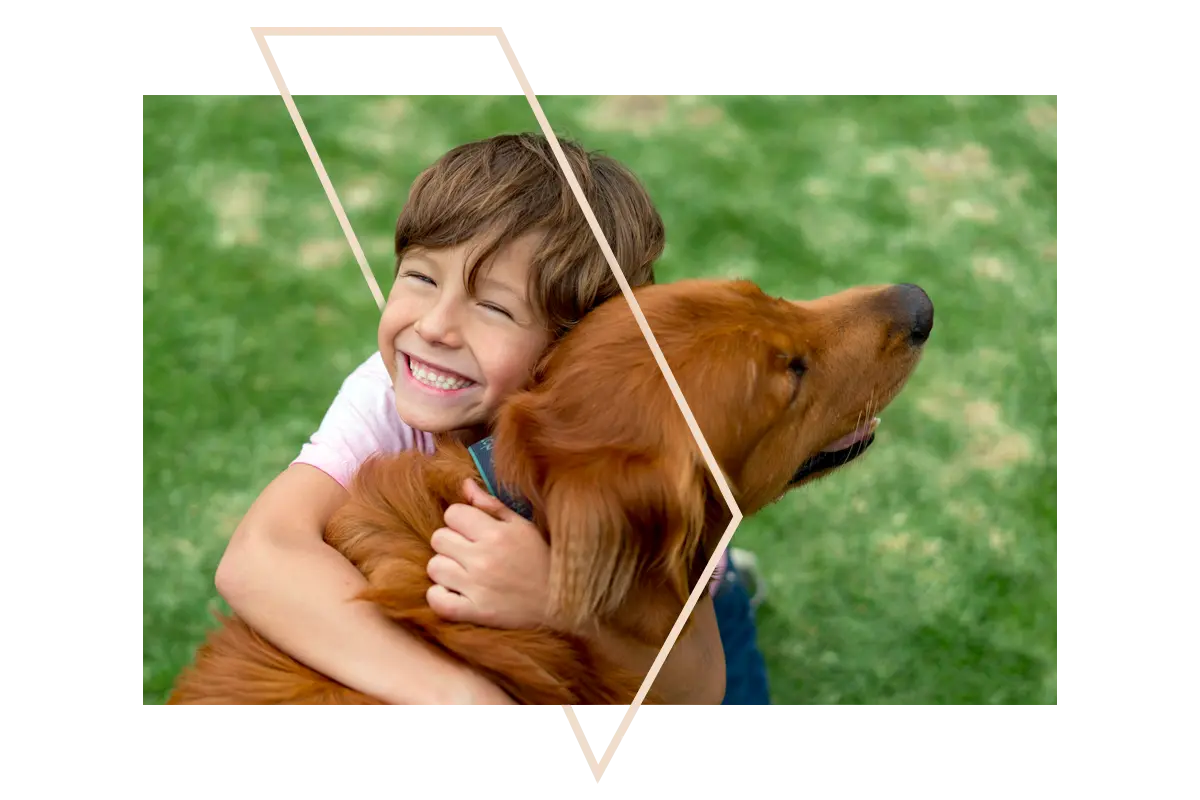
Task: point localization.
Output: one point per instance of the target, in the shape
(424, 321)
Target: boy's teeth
(431, 378)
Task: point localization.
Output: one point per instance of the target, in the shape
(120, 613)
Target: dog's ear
(621, 496)
(617, 521)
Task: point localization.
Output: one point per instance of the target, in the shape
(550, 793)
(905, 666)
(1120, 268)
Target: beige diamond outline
(260, 34)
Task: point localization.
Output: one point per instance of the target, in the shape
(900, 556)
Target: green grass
(924, 574)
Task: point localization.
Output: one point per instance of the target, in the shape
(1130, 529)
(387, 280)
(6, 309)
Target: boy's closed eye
(418, 277)
(489, 305)
(497, 310)
(503, 299)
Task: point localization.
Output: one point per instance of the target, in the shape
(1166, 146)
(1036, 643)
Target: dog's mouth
(838, 452)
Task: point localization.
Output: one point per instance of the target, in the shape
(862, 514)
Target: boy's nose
(439, 325)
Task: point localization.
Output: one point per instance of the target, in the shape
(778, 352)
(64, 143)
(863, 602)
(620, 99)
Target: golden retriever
(784, 392)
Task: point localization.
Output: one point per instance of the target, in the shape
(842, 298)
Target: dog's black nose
(920, 309)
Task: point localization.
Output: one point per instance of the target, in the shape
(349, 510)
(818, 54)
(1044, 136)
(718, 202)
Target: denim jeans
(745, 670)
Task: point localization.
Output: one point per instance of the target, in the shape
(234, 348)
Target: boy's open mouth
(436, 377)
(839, 452)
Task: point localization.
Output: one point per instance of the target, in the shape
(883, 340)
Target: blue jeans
(745, 670)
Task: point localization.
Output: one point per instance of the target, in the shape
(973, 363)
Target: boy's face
(453, 357)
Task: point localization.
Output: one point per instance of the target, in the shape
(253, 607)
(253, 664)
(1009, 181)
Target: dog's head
(784, 392)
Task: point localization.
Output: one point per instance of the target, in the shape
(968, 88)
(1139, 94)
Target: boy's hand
(492, 565)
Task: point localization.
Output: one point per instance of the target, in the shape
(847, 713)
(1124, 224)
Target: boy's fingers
(468, 521)
(449, 542)
(447, 573)
(449, 605)
(477, 496)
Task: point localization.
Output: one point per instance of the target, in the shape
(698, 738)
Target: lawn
(924, 574)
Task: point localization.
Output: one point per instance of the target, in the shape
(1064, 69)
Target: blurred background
(924, 574)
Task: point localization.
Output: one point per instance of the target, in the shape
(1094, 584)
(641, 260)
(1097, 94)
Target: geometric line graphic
(597, 766)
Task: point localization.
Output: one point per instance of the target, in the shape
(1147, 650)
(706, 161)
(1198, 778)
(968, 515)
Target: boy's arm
(693, 672)
(296, 591)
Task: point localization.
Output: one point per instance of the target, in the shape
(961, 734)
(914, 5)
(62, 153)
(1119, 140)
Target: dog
(784, 392)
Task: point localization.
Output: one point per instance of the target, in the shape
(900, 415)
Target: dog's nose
(920, 310)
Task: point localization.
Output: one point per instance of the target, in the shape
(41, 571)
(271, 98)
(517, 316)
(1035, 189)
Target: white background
(69, 322)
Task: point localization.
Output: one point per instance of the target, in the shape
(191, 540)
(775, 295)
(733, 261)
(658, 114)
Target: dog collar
(481, 453)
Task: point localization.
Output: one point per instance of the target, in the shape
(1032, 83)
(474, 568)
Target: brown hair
(506, 186)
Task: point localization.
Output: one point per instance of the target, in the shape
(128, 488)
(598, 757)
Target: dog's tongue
(854, 437)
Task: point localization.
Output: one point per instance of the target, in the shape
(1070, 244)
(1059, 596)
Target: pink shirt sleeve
(361, 421)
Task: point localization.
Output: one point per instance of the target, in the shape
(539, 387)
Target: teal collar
(481, 452)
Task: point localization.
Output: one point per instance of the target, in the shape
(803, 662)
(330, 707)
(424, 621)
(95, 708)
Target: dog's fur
(606, 458)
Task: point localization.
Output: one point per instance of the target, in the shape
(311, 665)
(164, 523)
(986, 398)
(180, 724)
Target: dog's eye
(797, 366)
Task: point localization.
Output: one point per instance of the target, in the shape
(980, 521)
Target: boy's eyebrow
(417, 255)
(484, 282)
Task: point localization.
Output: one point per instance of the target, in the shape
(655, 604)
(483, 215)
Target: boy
(494, 262)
